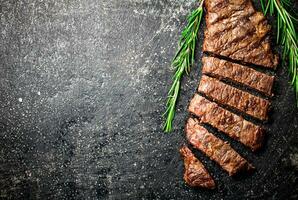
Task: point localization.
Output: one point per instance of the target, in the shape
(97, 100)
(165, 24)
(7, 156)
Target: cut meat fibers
(231, 96)
(235, 30)
(195, 173)
(238, 73)
(215, 148)
(229, 123)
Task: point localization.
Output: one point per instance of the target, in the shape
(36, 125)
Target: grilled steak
(195, 173)
(236, 30)
(231, 96)
(229, 123)
(215, 148)
(238, 73)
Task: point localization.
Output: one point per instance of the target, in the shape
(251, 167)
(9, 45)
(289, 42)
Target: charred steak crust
(195, 173)
(249, 77)
(234, 126)
(218, 150)
(236, 30)
(231, 96)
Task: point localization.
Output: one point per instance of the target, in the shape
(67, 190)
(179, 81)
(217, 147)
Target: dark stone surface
(83, 87)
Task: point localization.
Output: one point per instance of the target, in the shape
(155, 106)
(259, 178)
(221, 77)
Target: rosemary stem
(286, 36)
(182, 62)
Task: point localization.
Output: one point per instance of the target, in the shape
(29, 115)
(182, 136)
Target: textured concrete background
(82, 89)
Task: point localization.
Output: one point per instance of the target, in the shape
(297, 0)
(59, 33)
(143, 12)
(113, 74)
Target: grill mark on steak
(223, 69)
(236, 30)
(231, 96)
(195, 174)
(222, 10)
(243, 37)
(234, 126)
(250, 49)
(223, 27)
(216, 149)
(242, 29)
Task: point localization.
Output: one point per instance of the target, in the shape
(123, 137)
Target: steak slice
(229, 123)
(231, 96)
(195, 173)
(223, 69)
(215, 148)
(236, 30)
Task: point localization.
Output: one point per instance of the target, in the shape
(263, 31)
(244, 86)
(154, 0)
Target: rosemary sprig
(182, 62)
(286, 35)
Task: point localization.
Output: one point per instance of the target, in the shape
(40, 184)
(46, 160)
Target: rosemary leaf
(182, 62)
(286, 36)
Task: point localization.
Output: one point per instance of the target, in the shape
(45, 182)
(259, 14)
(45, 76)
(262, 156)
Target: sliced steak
(195, 173)
(231, 96)
(236, 30)
(223, 69)
(215, 148)
(229, 123)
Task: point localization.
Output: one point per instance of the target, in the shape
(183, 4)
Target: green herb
(286, 35)
(182, 62)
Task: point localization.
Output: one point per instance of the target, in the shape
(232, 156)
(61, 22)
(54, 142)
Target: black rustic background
(82, 89)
